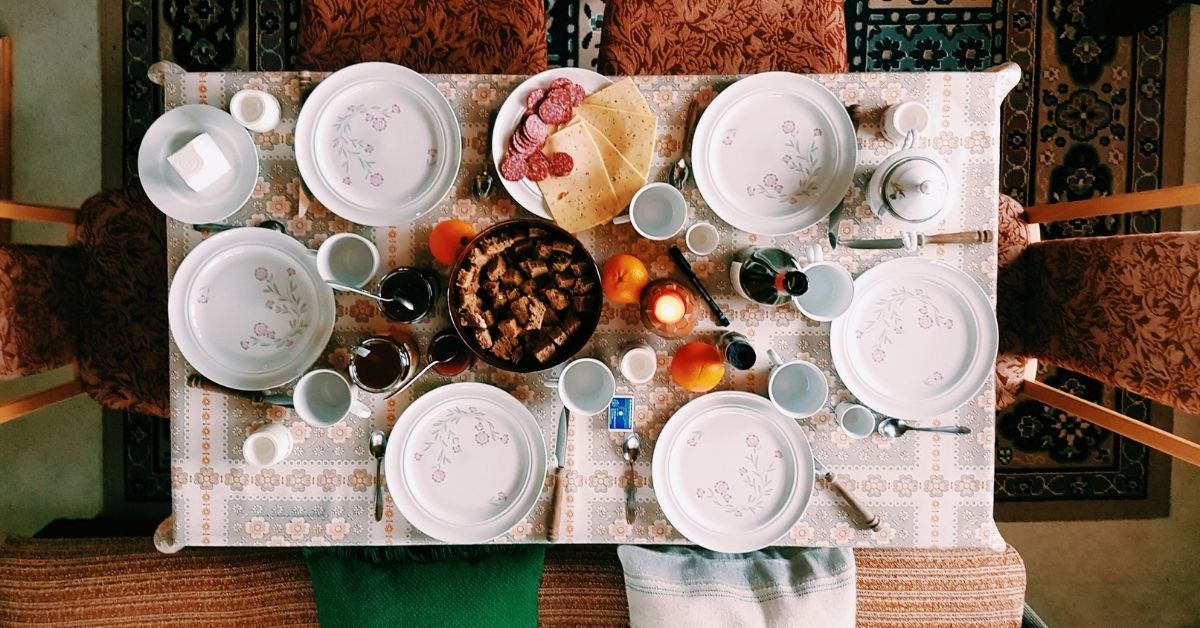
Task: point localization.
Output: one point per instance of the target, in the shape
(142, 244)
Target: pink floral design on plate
(804, 161)
(887, 320)
(282, 299)
(445, 442)
(756, 476)
(351, 149)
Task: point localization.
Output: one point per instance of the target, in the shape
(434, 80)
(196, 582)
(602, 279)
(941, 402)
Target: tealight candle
(668, 308)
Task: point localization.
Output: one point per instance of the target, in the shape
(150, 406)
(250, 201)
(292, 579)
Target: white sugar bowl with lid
(912, 189)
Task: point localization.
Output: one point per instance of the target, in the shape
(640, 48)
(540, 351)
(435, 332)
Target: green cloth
(468, 586)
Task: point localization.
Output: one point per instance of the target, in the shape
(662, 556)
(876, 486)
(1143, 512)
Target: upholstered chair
(451, 36)
(100, 304)
(723, 36)
(1124, 310)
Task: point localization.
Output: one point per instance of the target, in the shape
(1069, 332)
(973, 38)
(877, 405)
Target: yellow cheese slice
(621, 95)
(584, 198)
(631, 133)
(625, 178)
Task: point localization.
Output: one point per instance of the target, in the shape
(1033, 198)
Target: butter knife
(196, 380)
(865, 517)
(558, 508)
(916, 240)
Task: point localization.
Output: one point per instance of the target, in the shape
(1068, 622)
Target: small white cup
(797, 388)
(657, 211)
(586, 386)
(902, 119)
(323, 398)
(268, 445)
(830, 288)
(638, 364)
(702, 238)
(348, 259)
(855, 420)
(255, 109)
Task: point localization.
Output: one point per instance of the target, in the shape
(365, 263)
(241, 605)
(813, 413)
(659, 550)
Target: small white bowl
(586, 386)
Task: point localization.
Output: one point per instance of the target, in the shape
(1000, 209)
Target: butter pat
(200, 163)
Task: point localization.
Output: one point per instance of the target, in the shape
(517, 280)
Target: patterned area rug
(1086, 120)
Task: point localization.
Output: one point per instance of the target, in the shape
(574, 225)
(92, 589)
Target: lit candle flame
(669, 308)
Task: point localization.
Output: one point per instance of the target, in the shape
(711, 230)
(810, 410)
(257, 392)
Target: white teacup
(255, 109)
(855, 420)
(639, 363)
(797, 388)
(268, 445)
(323, 398)
(702, 238)
(348, 259)
(830, 288)
(586, 386)
(657, 211)
(902, 122)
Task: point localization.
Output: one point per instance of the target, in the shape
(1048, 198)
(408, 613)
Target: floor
(1113, 573)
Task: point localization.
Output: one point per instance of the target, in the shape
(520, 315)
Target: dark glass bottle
(767, 275)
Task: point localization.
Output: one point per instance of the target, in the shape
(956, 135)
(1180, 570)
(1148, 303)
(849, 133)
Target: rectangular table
(929, 490)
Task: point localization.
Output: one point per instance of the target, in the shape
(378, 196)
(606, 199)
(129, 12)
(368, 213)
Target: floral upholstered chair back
(1124, 310)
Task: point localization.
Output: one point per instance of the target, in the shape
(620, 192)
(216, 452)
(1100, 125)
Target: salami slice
(534, 98)
(561, 164)
(553, 111)
(537, 166)
(535, 129)
(561, 81)
(577, 94)
(513, 167)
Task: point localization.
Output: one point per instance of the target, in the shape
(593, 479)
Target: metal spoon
(209, 227)
(481, 185)
(434, 360)
(680, 172)
(630, 450)
(895, 428)
(378, 446)
(371, 295)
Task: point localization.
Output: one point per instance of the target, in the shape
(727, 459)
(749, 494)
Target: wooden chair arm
(17, 408)
(1116, 204)
(38, 213)
(1143, 433)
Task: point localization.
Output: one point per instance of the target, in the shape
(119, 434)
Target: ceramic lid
(916, 188)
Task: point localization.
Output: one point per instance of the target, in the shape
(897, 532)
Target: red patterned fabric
(39, 308)
(1124, 310)
(1011, 301)
(723, 36)
(123, 341)
(463, 36)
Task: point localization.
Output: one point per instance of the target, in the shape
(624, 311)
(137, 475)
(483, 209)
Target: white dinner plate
(731, 473)
(919, 340)
(525, 192)
(378, 144)
(167, 190)
(465, 462)
(248, 309)
(774, 153)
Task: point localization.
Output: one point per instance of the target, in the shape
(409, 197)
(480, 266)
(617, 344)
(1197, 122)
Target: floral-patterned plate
(378, 144)
(774, 153)
(731, 473)
(465, 462)
(525, 192)
(919, 340)
(248, 309)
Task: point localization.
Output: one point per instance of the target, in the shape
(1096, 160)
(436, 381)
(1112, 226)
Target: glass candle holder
(668, 308)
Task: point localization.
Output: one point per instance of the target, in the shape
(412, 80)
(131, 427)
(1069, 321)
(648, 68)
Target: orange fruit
(448, 238)
(698, 367)
(623, 278)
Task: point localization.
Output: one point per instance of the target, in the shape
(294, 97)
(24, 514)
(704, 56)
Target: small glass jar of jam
(414, 294)
(381, 364)
(451, 352)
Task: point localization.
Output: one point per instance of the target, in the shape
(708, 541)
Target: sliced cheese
(625, 178)
(584, 198)
(621, 95)
(631, 133)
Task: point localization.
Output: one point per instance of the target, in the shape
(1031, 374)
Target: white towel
(696, 588)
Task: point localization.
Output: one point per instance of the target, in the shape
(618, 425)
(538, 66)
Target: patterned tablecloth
(929, 490)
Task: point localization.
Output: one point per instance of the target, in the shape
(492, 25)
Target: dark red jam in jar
(415, 287)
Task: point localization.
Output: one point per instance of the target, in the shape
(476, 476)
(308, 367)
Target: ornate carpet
(1086, 119)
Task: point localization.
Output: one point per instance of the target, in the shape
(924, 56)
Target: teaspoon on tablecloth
(378, 447)
(895, 428)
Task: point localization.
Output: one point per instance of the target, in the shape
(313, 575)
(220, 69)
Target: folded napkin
(683, 586)
(485, 585)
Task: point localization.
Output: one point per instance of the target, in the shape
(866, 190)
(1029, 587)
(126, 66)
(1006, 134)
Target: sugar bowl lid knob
(916, 188)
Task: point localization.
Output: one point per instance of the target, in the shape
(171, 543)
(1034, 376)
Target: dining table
(928, 490)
